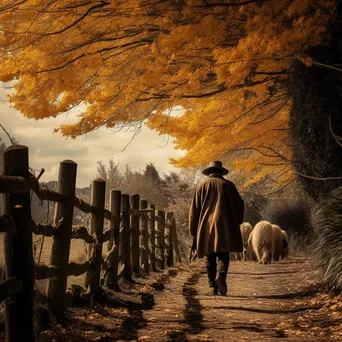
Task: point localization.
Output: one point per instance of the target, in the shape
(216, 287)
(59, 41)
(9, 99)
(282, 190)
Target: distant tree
(152, 174)
(179, 188)
(112, 176)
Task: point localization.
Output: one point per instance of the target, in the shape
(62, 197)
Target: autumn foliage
(130, 62)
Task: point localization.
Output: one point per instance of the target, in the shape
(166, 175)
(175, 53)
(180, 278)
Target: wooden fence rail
(137, 232)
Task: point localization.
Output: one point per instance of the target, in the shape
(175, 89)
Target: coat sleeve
(194, 213)
(240, 206)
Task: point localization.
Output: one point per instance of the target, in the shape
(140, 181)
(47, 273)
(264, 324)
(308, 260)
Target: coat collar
(215, 175)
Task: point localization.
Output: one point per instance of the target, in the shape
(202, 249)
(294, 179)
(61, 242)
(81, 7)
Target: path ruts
(260, 298)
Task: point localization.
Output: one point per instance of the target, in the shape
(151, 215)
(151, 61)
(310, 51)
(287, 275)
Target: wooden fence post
(135, 235)
(161, 237)
(64, 211)
(144, 238)
(98, 195)
(169, 237)
(115, 206)
(152, 230)
(18, 250)
(175, 240)
(125, 243)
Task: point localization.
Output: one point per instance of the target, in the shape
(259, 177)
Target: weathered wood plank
(125, 243)
(83, 206)
(108, 215)
(76, 269)
(43, 193)
(98, 194)
(152, 230)
(135, 224)
(80, 232)
(18, 249)
(7, 224)
(46, 271)
(111, 278)
(61, 241)
(16, 184)
(139, 212)
(45, 229)
(9, 287)
(144, 238)
(73, 269)
(161, 237)
(106, 235)
(169, 238)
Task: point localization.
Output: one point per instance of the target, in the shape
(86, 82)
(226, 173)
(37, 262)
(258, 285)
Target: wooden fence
(140, 240)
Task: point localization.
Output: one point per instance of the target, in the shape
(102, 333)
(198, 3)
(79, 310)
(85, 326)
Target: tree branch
(91, 9)
(9, 137)
(318, 178)
(225, 4)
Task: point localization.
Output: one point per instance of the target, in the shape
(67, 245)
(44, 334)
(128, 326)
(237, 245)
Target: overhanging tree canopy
(225, 62)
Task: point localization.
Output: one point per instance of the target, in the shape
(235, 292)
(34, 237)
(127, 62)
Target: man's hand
(194, 243)
(193, 251)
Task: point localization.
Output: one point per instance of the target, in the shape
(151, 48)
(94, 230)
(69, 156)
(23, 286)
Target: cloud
(48, 149)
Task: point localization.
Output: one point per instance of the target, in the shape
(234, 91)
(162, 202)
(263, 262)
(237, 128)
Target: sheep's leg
(258, 255)
(249, 254)
(276, 256)
(265, 257)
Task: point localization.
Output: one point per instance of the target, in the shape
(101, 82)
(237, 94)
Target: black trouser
(220, 269)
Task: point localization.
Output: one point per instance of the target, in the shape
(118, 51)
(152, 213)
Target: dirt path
(276, 302)
(260, 298)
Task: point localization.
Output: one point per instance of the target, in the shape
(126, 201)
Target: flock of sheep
(263, 243)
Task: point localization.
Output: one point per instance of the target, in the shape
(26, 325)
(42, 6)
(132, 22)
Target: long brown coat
(215, 216)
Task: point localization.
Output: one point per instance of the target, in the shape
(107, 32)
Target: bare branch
(225, 4)
(9, 137)
(318, 178)
(91, 9)
(280, 189)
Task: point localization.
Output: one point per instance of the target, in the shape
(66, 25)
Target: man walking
(215, 216)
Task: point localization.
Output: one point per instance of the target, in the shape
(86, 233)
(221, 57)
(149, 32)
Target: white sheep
(261, 241)
(285, 250)
(246, 229)
(277, 242)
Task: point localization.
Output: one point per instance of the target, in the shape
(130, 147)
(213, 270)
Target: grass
(300, 245)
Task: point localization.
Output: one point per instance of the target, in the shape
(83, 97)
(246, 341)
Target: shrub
(294, 216)
(327, 225)
(300, 245)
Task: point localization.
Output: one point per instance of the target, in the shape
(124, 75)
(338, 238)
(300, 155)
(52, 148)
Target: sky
(48, 149)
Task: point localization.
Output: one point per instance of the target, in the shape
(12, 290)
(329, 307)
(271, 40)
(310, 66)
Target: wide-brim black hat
(215, 167)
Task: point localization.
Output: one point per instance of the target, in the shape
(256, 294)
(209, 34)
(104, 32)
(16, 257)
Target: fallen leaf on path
(204, 337)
